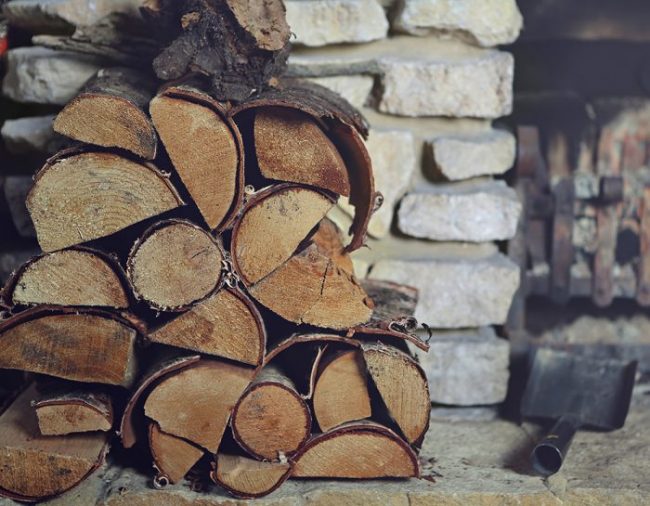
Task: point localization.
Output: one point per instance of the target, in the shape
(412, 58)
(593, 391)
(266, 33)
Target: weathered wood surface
(72, 410)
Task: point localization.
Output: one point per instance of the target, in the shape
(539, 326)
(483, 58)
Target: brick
(31, 135)
(488, 212)
(321, 22)
(459, 157)
(456, 293)
(355, 89)
(482, 22)
(477, 86)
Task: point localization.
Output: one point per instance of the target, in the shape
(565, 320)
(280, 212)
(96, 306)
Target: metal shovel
(575, 392)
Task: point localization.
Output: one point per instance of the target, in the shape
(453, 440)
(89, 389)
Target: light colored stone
(467, 369)
(355, 89)
(478, 86)
(482, 22)
(489, 212)
(465, 156)
(456, 293)
(45, 76)
(321, 22)
(44, 16)
(15, 191)
(29, 135)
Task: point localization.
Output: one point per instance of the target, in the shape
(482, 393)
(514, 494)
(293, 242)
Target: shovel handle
(549, 453)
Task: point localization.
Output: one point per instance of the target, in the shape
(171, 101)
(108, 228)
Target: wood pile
(192, 293)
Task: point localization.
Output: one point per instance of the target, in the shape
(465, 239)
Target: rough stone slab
(321, 22)
(31, 135)
(11, 260)
(46, 16)
(355, 89)
(482, 22)
(467, 369)
(15, 190)
(489, 212)
(45, 76)
(456, 293)
(478, 86)
(459, 157)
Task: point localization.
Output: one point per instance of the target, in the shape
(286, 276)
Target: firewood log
(81, 345)
(174, 264)
(356, 450)
(206, 149)
(341, 390)
(246, 478)
(35, 467)
(71, 277)
(110, 111)
(195, 403)
(73, 410)
(173, 457)
(271, 420)
(78, 197)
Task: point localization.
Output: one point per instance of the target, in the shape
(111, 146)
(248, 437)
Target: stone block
(31, 135)
(355, 89)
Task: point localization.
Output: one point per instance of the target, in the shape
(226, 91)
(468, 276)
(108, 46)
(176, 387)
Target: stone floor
(468, 462)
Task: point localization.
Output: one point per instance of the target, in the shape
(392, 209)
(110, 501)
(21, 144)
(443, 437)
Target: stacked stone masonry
(431, 80)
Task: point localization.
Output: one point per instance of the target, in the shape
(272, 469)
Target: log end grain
(247, 478)
(173, 457)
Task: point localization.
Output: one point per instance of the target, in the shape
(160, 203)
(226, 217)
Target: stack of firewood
(189, 261)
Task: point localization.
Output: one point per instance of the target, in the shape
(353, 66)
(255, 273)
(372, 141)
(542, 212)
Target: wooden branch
(174, 264)
(72, 277)
(78, 197)
(36, 467)
(271, 420)
(247, 478)
(226, 324)
(341, 390)
(361, 450)
(61, 412)
(173, 457)
(403, 387)
(81, 345)
(110, 112)
(206, 149)
(195, 403)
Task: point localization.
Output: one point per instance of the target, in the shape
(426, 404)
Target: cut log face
(393, 302)
(358, 450)
(403, 387)
(272, 227)
(196, 402)
(341, 390)
(110, 112)
(172, 456)
(86, 196)
(247, 478)
(73, 412)
(271, 419)
(205, 148)
(35, 467)
(90, 345)
(174, 264)
(291, 146)
(73, 277)
(226, 324)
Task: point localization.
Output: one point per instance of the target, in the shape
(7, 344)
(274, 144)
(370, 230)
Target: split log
(393, 301)
(358, 450)
(206, 149)
(72, 277)
(78, 197)
(403, 387)
(341, 390)
(271, 420)
(70, 412)
(247, 478)
(291, 146)
(274, 223)
(195, 403)
(81, 345)
(35, 467)
(110, 112)
(173, 457)
(226, 324)
(174, 264)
